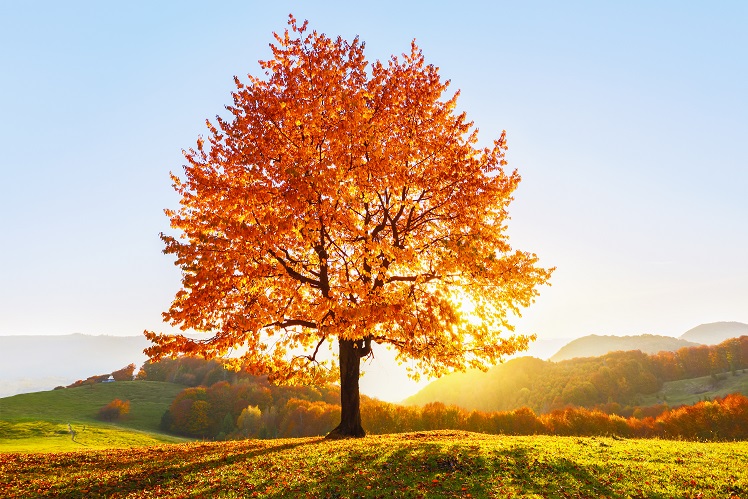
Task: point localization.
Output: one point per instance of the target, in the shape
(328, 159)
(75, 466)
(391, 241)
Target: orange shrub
(114, 410)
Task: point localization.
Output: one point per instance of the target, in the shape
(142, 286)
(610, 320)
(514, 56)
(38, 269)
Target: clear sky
(628, 122)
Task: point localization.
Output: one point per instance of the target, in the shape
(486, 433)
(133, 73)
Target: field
(41, 421)
(690, 391)
(428, 464)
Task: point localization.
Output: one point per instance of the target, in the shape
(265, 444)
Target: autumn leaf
(371, 224)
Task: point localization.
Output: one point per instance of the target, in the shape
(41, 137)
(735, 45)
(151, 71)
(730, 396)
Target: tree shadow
(413, 467)
(176, 466)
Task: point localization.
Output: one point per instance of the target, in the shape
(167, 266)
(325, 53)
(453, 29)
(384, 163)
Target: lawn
(690, 391)
(42, 421)
(412, 465)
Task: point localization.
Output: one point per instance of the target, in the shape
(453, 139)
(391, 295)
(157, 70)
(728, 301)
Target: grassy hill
(60, 360)
(690, 391)
(41, 421)
(413, 465)
(627, 378)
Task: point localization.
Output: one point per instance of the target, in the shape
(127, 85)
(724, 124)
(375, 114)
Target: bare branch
(293, 273)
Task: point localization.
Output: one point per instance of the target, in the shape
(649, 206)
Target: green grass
(429, 464)
(44, 436)
(38, 422)
(690, 391)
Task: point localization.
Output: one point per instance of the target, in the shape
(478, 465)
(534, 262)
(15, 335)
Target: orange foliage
(114, 410)
(124, 374)
(345, 200)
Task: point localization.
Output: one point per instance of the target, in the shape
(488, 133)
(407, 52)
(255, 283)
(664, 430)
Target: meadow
(689, 391)
(411, 465)
(42, 421)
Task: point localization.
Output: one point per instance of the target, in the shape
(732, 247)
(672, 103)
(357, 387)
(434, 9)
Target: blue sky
(628, 122)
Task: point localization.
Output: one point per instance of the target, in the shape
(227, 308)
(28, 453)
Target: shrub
(114, 410)
(124, 374)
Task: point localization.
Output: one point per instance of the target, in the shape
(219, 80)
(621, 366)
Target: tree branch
(296, 275)
(293, 322)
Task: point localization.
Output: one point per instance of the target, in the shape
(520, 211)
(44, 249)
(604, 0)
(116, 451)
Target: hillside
(690, 391)
(622, 378)
(40, 420)
(36, 363)
(594, 345)
(424, 464)
(715, 332)
(502, 388)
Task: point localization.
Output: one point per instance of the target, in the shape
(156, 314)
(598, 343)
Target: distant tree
(198, 421)
(114, 410)
(124, 374)
(185, 418)
(249, 422)
(345, 201)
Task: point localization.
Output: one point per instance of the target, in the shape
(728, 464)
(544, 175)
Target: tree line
(613, 383)
(221, 404)
(249, 410)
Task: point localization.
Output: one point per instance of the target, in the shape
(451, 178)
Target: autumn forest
(587, 396)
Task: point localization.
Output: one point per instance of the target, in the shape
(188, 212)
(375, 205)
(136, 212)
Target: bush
(114, 410)
(124, 374)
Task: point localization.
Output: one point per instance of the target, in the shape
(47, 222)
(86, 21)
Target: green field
(412, 465)
(41, 421)
(691, 391)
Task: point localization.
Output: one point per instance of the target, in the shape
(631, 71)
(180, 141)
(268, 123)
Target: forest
(588, 396)
(613, 383)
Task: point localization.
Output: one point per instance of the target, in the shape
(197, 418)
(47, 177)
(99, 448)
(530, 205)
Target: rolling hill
(715, 332)
(627, 378)
(42, 420)
(594, 345)
(35, 363)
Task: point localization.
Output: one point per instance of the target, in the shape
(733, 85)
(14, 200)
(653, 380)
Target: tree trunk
(350, 401)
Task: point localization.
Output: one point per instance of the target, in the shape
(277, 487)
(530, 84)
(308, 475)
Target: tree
(114, 410)
(249, 421)
(346, 201)
(124, 374)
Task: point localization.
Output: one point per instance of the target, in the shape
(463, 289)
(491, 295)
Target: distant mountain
(594, 345)
(35, 363)
(541, 348)
(715, 332)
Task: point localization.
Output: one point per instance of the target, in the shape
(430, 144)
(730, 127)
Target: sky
(627, 121)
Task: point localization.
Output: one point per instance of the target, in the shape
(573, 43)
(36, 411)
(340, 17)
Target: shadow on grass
(323, 469)
(96, 474)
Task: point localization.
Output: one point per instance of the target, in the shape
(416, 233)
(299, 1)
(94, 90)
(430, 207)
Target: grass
(38, 422)
(44, 436)
(414, 465)
(691, 391)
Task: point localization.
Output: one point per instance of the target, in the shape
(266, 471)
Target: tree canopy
(345, 200)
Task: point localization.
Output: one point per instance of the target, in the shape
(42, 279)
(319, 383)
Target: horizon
(626, 123)
(383, 379)
(566, 338)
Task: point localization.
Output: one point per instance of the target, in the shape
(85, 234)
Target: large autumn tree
(345, 201)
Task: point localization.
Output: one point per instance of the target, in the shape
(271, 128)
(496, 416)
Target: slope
(43, 420)
(594, 345)
(622, 378)
(715, 332)
(34, 363)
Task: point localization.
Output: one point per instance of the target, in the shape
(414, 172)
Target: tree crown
(345, 200)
